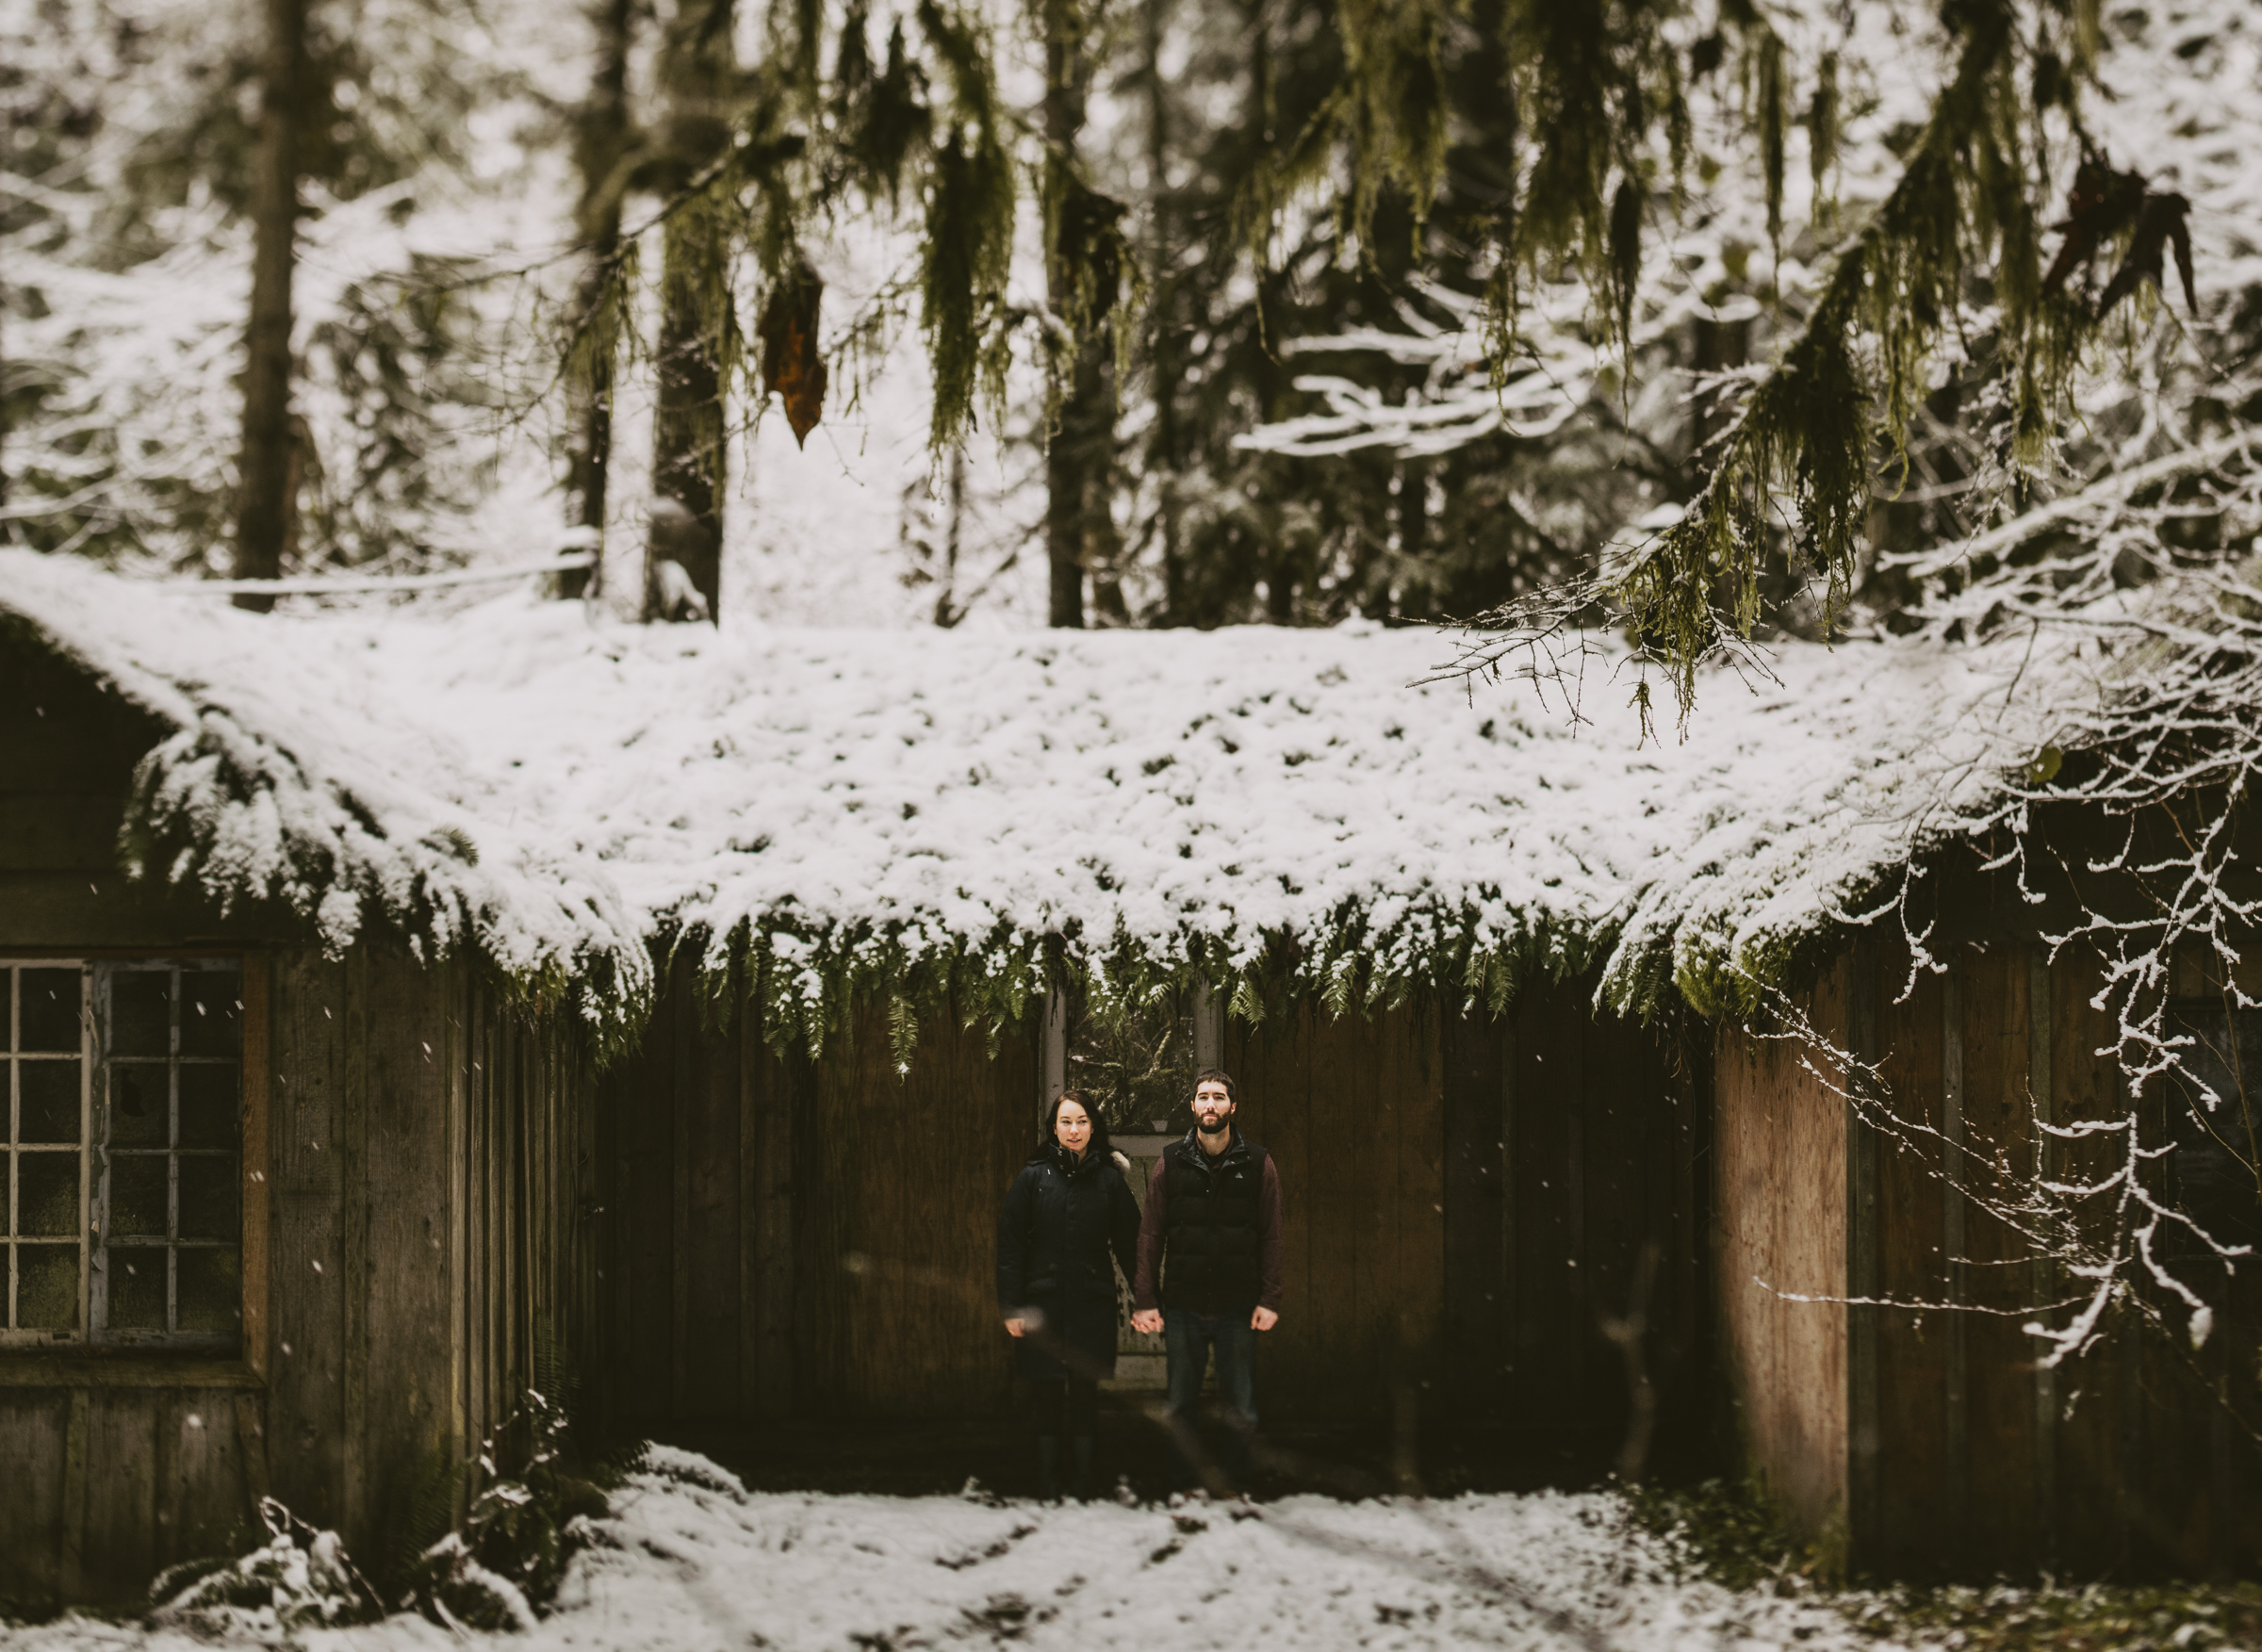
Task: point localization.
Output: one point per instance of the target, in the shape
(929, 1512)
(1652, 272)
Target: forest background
(1134, 313)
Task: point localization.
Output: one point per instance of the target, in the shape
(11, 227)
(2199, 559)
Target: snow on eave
(916, 812)
(262, 792)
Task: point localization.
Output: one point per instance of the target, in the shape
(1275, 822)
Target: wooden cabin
(512, 1003)
(277, 1224)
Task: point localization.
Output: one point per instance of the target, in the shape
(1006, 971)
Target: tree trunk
(1165, 455)
(8, 524)
(948, 612)
(1077, 454)
(688, 457)
(601, 145)
(266, 505)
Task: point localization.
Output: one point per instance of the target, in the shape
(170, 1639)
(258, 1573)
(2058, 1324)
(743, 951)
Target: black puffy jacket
(1060, 1222)
(1212, 1215)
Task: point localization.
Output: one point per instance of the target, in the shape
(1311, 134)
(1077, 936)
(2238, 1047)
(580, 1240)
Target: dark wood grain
(1475, 1194)
(34, 1433)
(1912, 1346)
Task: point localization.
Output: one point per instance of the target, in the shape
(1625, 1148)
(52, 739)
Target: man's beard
(1211, 1123)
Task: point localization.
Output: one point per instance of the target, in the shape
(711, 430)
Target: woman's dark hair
(1047, 1140)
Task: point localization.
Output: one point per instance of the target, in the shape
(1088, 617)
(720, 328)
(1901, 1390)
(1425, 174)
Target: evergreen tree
(604, 148)
(269, 464)
(698, 331)
(1080, 228)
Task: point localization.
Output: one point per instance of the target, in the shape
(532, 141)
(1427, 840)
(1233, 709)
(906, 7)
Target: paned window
(1135, 1060)
(121, 1214)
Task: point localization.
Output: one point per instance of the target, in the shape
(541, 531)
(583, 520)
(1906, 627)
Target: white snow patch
(683, 1569)
(556, 786)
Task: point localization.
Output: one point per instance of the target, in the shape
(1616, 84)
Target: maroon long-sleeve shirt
(1154, 1225)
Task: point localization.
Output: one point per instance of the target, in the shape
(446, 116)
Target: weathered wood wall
(1353, 1112)
(1571, 1147)
(416, 1248)
(785, 1237)
(424, 1188)
(1779, 1231)
(1930, 1429)
(848, 1210)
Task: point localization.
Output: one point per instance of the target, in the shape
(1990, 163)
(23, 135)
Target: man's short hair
(1216, 1075)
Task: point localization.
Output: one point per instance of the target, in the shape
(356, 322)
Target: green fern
(902, 1032)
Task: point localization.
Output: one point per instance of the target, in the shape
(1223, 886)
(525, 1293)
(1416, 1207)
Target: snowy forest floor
(688, 1560)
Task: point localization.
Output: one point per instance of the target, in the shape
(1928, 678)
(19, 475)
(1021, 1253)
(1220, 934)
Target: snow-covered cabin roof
(904, 806)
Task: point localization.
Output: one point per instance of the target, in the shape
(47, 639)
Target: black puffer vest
(1211, 1262)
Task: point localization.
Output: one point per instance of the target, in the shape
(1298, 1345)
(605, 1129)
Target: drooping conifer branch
(1792, 475)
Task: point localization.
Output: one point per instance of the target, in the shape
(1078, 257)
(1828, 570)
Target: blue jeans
(1187, 1339)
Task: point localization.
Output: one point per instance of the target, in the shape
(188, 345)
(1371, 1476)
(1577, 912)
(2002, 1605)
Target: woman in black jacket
(1068, 1207)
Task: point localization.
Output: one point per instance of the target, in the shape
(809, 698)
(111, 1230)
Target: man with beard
(1209, 1270)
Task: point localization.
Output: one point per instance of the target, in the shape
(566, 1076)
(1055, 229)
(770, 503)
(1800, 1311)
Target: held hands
(1149, 1322)
(1016, 1326)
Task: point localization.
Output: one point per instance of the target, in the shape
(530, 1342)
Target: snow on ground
(683, 1569)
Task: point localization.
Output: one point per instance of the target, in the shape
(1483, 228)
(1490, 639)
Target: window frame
(1199, 1005)
(98, 971)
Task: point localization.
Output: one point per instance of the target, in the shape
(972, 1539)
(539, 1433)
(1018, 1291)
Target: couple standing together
(1204, 1260)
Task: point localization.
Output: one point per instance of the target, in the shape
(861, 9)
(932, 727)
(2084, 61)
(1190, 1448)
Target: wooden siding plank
(645, 1100)
(1781, 1231)
(119, 1552)
(711, 1181)
(35, 1428)
(896, 1252)
(1999, 1135)
(1370, 1134)
(1911, 1375)
(1339, 1173)
(683, 1025)
(1551, 1333)
(407, 1198)
(77, 1470)
(259, 1162)
(1571, 1022)
(1476, 1207)
(1274, 1071)
(774, 1360)
(2092, 1507)
(312, 1008)
(1857, 986)
(1956, 1435)
(2042, 1281)
(201, 1506)
(1412, 1069)
(463, 1049)
(1612, 1223)
(479, 1310)
(749, 1071)
(354, 1252)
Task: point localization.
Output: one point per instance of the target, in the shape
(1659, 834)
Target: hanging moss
(970, 204)
(881, 116)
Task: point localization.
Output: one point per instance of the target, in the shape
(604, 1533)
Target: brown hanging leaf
(2164, 223)
(792, 368)
(2102, 203)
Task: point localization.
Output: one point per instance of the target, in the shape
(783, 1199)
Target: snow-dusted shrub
(501, 1568)
(301, 1579)
(688, 1469)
